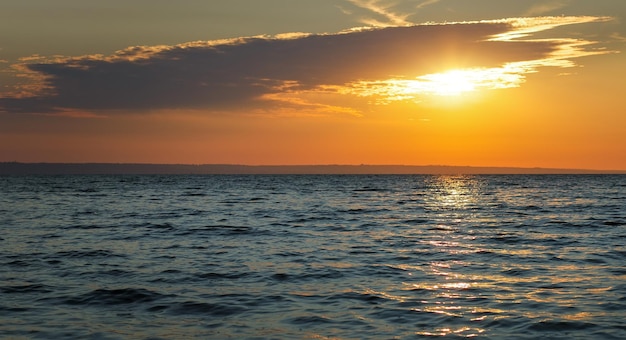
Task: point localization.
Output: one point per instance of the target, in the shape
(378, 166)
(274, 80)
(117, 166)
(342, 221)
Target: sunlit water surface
(348, 257)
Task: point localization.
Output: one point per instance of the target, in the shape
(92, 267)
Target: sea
(313, 257)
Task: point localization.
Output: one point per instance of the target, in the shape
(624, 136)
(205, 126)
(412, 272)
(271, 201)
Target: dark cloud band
(239, 72)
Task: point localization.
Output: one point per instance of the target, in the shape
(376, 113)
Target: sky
(300, 82)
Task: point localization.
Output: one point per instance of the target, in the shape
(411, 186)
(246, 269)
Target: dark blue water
(313, 257)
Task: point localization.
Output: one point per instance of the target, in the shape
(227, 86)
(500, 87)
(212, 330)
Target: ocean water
(313, 257)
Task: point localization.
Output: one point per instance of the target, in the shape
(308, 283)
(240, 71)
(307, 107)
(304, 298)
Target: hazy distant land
(14, 168)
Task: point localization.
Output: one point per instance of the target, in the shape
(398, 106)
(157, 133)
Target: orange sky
(550, 96)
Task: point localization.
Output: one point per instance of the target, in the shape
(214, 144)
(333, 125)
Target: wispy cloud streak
(544, 8)
(426, 3)
(383, 9)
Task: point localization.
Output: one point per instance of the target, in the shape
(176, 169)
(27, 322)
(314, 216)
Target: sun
(449, 83)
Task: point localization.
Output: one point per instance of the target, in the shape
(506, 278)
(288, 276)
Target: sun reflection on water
(466, 332)
(455, 191)
(470, 265)
(448, 284)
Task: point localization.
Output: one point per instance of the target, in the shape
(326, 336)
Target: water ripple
(289, 257)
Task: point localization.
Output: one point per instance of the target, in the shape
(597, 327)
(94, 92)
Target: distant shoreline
(17, 168)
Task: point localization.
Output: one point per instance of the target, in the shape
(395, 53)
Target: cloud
(382, 9)
(618, 37)
(265, 72)
(426, 3)
(386, 13)
(543, 8)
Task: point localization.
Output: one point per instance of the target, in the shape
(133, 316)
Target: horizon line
(17, 168)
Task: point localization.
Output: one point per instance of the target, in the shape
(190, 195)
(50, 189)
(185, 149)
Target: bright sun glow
(450, 83)
(455, 82)
(460, 81)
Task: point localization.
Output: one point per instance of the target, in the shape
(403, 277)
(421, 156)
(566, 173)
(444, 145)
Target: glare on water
(312, 256)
